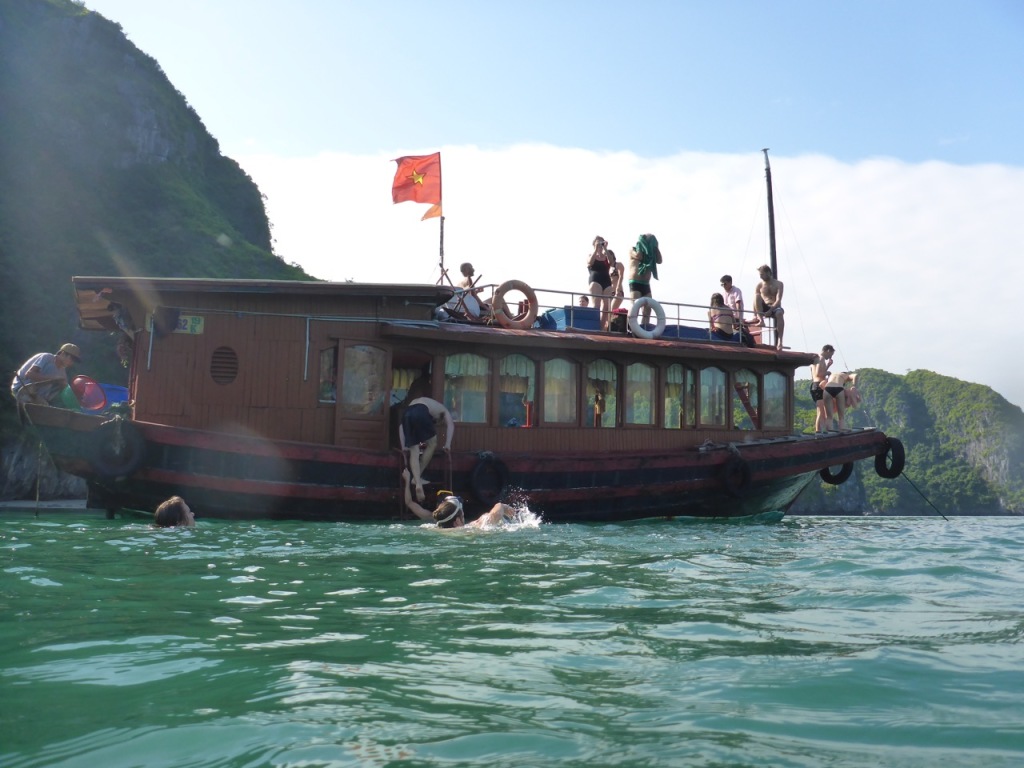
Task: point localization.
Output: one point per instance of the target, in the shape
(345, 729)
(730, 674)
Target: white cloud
(900, 266)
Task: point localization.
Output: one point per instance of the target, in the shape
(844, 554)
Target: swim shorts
(418, 424)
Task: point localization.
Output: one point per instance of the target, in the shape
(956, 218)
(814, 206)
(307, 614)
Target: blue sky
(894, 128)
(913, 80)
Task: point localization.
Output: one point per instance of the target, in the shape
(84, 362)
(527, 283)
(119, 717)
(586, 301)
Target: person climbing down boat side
(418, 435)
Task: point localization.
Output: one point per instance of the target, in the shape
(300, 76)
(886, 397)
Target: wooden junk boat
(278, 399)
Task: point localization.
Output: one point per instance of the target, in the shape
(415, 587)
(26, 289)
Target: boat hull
(246, 477)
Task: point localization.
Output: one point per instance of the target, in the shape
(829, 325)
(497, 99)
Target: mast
(771, 215)
(444, 273)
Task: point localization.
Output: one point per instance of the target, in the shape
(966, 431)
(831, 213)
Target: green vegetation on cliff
(964, 444)
(106, 169)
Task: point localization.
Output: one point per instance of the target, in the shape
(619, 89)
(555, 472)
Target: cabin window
(774, 411)
(516, 382)
(638, 398)
(560, 391)
(224, 365)
(745, 413)
(466, 382)
(402, 379)
(602, 389)
(680, 398)
(364, 381)
(713, 397)
(328, 390)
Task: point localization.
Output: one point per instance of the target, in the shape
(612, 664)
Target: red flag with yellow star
(418, 178)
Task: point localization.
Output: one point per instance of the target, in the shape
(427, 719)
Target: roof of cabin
(94, 296)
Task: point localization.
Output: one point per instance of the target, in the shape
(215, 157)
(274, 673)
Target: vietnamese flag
(418, 178)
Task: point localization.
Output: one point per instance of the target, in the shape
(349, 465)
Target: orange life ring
(500, 309)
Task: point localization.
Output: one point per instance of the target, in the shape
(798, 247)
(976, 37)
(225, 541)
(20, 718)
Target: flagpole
(440, 279)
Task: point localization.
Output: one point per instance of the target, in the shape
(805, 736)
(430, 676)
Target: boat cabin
(332, 364)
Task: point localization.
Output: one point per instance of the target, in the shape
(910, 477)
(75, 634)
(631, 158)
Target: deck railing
(565, 308)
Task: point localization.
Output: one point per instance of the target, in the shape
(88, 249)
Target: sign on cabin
(190, 324)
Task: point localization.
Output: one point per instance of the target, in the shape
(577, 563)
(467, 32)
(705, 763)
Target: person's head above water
(173, 513)
(449, 513)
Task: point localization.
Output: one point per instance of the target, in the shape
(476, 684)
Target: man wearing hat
(44, 376)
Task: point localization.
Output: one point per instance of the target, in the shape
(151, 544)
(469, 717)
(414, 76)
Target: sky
(895, 136)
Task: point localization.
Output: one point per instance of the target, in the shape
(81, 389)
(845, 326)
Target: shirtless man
(819, 375)
(472, 302)
(467, 277)
(768, 301)
(643, 263)
(418, 435)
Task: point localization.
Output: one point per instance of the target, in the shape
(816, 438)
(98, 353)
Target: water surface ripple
(812, 642)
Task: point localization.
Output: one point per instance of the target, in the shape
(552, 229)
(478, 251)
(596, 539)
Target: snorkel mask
(456, 503)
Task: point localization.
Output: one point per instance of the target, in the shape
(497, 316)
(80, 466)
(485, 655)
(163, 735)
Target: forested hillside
(964, 443)
(105, 169)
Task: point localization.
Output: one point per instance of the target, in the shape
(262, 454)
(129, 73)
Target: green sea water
(811, 642)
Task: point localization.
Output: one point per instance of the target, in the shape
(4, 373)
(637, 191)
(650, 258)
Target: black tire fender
(890, 462)
(839, 477)
(489, 479)
(735, 475)
(117, 448)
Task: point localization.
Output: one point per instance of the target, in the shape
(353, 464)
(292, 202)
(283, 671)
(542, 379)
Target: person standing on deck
(644, 259)
(418, 435)
(835, 388)
(819, 375)
(599, 266)
(768, 301)
(618, 276)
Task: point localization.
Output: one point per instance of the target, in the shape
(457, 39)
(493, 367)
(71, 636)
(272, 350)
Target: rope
(924, 497)
(449, 455)
(39, 466)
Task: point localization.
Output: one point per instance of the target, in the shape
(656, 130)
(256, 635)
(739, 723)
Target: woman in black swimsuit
(599, 267)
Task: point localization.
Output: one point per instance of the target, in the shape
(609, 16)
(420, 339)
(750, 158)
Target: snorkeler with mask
(449, 512)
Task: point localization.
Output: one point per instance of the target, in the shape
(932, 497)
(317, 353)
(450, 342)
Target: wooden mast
(771, 215)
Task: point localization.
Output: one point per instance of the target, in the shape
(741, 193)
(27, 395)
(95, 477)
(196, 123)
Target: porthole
(224, 365)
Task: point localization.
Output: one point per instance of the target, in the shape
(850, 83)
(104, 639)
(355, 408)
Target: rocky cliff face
(104, 169)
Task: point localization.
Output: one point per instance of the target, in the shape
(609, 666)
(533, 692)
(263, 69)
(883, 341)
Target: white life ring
(500, 309)
(634, 325)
